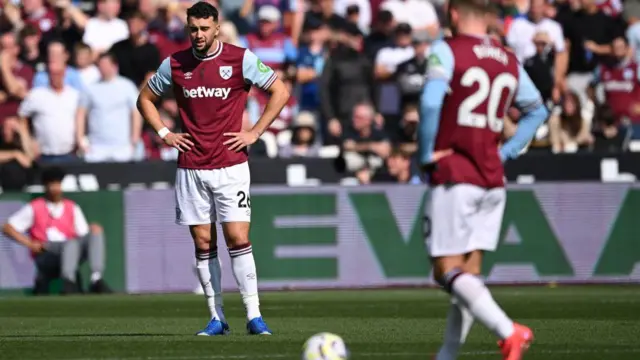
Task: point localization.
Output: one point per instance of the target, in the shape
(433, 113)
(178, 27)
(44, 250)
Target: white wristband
(163, 132)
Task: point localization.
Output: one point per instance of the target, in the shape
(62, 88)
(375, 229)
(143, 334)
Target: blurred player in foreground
(471, 82)
(210, 82)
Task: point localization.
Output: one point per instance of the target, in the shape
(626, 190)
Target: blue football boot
(214, 327)
(257, 326)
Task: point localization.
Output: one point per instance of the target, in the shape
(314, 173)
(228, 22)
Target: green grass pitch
(571, 323)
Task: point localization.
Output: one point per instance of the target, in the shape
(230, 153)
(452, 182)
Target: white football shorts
(209, 196)
(463, 218)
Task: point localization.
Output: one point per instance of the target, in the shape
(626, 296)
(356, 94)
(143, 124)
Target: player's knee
(96, 229)
(237, 239)
(202, 237)
(236, 233)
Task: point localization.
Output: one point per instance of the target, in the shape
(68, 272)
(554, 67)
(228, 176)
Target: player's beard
(208, 48)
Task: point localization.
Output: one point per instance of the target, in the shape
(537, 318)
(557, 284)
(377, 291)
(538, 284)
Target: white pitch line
(376, 354)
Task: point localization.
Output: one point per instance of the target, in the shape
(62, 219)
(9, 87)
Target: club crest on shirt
(225, 72)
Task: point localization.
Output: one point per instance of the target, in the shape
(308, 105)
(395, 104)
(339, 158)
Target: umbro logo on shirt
(205, 92)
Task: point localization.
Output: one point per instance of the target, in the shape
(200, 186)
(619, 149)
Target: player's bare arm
(146, 105)
(279, 97)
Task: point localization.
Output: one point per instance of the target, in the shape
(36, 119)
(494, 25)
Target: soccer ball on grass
(325, 346)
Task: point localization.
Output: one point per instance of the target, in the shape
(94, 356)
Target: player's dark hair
(52, 174)
(203, 10)
(476, 7)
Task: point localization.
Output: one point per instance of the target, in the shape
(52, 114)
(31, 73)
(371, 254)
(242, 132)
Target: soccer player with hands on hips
(210, 82)
(471, 83)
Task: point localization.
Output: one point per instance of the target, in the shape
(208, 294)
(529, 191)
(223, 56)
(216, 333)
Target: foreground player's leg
(244, 271)
(459, 322)
(210, 276)
(471, 292)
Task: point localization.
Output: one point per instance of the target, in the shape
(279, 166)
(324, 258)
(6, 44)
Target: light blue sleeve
(290, 51)
(534, 114)
(441, 62)
(257, 73)
(40, 79)
(74, 79)
(439, 73)
(161, 81)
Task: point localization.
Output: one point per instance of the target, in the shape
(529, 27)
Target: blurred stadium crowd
(70, 71)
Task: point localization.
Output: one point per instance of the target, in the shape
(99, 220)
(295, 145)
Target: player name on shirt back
(206, 92)
(488, 51)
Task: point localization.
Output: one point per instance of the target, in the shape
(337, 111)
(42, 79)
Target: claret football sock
(459, 322)
(470, 291)
(209, 274)
(244, 270)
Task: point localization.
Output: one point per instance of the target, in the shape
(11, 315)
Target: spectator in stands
(352, 15)
(323, 10)
(229, 33)
(70, 24)
(303, 139)
(16, 155)
(155, 148)
(105, 28)
(286, 7)
(231, 9)
(56, 232)
(389, 58)
(590, 33)
(109, 124)
(30, 53)
(34, 12)
(633, 35)
(620, 79)
(15, 77)
(137, 58)
(406, 135)
(609, 136)
(540, 67)
(346, 81)
(420, 15)
(381, 35)
(364, 146)
(257, 102)
(360, 7)
(611, 8)
(521, 39)
(410, 73)
(311, 59)
(83, 60)
(52, 111)
(397, 170)
(274, 48)
(166, 27)
(568, 128)
(58, 56)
